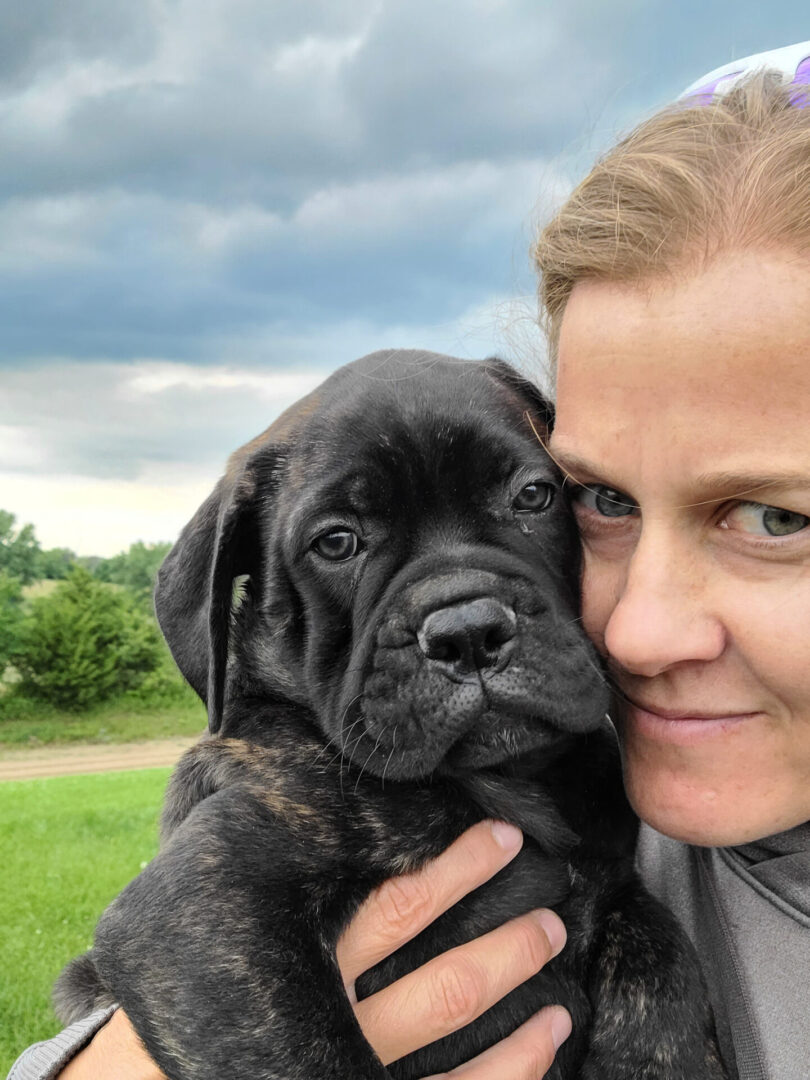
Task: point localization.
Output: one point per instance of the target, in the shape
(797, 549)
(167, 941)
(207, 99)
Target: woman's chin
(702, 825)
(707, 803)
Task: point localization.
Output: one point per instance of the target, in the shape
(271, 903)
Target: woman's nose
(663, 614)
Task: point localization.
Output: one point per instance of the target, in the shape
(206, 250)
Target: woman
(676, 288)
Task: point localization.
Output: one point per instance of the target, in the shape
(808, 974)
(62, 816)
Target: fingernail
(553, 926)
(560, 1026)
(506, 836)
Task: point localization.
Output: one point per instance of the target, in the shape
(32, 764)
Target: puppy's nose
(470, 636)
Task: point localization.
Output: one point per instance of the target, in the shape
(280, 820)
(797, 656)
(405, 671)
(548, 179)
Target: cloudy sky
(207, 205)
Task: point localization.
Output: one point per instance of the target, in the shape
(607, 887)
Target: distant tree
(85, 642)
(10, 617)
(55, 563)
(89, 562)
(19, 549)
(135, 568)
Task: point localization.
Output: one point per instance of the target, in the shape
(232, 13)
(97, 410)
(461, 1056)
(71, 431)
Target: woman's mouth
(682, 727)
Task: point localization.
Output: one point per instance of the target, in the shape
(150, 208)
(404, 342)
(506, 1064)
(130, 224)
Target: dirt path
(68, 758)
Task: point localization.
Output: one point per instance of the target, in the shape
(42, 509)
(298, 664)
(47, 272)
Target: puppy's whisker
(346, 733)
(325, 747)
(572, 622)
(356, 742)
(603, 678)
(342, 751)
(618, 692)
(370, 756)
(351, 703)
(388, 759)
(345, 740)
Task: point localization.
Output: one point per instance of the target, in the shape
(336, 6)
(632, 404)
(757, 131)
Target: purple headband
(792, 62)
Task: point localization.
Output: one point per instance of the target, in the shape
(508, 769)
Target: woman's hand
(441, 997)
(115, 1053)
(453, 989)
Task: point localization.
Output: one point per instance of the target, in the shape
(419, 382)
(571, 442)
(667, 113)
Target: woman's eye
(533, 497)
(605, 501)
(762, 520)
(338, 545)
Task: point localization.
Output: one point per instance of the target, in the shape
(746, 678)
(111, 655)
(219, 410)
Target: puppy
(403, 659)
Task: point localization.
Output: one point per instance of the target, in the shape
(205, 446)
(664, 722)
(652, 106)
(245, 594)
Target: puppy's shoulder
(214, 764)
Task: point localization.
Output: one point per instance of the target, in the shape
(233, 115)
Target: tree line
(87, 638)
(23, 558)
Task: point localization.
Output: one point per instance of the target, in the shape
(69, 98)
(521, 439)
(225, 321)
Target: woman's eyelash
(604, 499)
(775, 521)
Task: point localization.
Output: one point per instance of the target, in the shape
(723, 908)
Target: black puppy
(403, 659)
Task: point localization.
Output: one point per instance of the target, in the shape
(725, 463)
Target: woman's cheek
(607, 548)
(600, 594)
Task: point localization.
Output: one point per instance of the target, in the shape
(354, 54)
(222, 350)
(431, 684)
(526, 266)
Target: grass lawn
(116, 721)
(67, 846)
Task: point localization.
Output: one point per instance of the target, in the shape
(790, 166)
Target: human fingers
(456, 987)
(527, 1054)
(402, 906)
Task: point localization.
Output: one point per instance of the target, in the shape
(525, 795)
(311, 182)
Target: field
(121, 721)
(68, 845)
(39, 588)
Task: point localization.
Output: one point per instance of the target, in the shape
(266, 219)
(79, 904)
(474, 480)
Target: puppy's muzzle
(468, 639)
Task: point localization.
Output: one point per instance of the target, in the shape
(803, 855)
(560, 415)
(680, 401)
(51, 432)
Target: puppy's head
(408, 571)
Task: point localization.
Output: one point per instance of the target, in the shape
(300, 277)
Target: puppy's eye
(338, 545)
(535, 496)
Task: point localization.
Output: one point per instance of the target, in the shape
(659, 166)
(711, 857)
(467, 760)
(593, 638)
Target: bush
(84, 643)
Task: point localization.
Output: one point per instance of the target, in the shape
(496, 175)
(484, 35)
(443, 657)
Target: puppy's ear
(542, 408)
(193, 595)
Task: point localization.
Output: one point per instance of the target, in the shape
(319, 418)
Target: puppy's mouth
(488, 744)
(481, 734)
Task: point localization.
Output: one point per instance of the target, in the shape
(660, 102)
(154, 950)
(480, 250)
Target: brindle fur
(342, 754)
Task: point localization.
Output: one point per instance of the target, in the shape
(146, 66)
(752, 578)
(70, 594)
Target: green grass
(68, 845)
(25, 723)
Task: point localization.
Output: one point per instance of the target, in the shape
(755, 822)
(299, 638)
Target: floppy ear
(515, 380)
(195, 584)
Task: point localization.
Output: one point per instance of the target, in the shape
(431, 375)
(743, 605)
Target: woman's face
(684, 410)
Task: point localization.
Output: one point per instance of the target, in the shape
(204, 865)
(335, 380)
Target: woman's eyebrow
(571, 464)
(719, 484)
(743, 483)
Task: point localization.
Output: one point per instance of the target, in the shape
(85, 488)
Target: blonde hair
(689, 183)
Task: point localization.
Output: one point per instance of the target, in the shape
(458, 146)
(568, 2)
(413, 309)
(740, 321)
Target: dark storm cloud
(272, 101)
(275, 184)
(120, 275)
(174, 173)
(39, 35)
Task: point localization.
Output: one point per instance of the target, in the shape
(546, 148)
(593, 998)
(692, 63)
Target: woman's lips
(683, 728)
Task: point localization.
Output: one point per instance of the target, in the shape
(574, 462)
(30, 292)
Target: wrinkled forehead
(372, 436)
